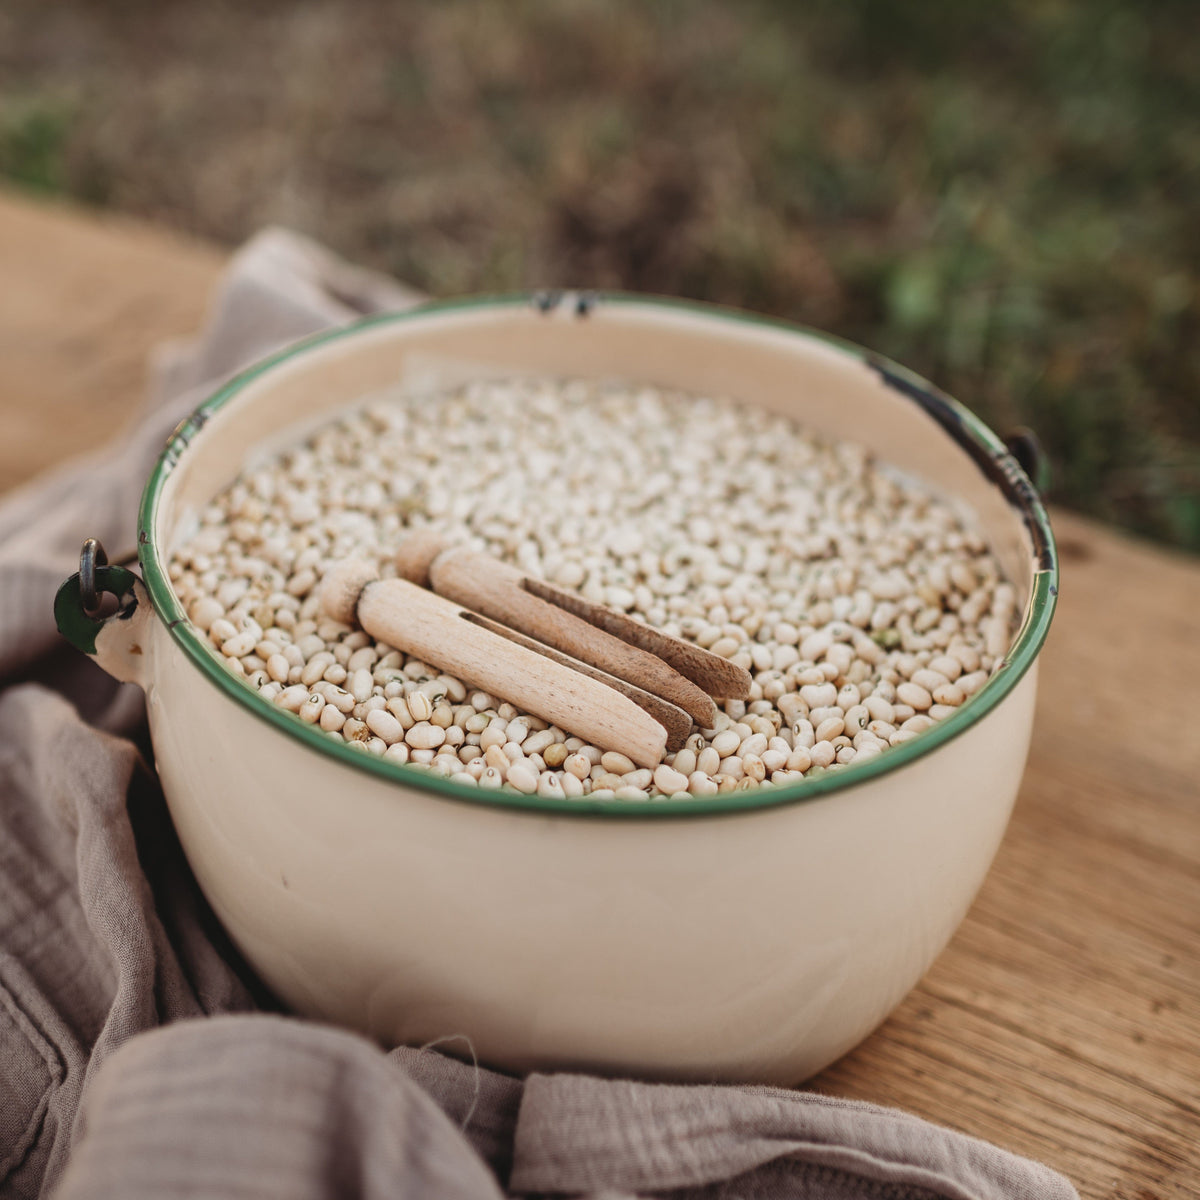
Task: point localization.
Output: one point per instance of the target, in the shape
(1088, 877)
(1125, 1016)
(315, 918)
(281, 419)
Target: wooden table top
(1063, 1021)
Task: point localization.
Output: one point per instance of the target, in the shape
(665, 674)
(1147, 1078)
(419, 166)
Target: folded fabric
(139, 1057)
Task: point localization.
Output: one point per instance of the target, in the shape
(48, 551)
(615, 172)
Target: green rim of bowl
(987, 449)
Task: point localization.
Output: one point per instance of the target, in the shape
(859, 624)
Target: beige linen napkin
(136, 1058)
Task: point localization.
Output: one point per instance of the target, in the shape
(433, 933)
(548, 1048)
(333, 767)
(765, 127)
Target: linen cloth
(139, 1057)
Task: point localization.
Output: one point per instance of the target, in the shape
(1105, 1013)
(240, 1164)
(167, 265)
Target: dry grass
(1004, 202)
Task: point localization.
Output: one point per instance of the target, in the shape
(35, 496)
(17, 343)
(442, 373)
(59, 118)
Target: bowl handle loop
(116, 639)
(1024, 446)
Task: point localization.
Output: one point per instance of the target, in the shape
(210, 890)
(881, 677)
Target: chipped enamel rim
(988, 451)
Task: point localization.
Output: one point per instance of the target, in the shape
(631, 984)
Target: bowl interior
(834, 389)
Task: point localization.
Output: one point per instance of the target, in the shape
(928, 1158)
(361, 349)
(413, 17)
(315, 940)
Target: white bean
(726, 743)
(669, 780)
(929, 680)
(549, 785)
(970, 684)
(331, 719)
(578, 765)
(239, 645)
(424, 736)
(535, 743)
(946, 665)
(684, 762)
(616, 763)
(292, 697)
(820, 695)
(756, 743)
(383, 724)
(314, 668)
(754, 768)
(822, 754)
(522, 778)
(914, 695)
(361, 685)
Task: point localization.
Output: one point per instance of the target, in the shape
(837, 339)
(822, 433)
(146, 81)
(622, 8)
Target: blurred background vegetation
(1003, 197)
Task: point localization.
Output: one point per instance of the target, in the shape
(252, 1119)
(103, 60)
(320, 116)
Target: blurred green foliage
(1002, 197)
(33, 134)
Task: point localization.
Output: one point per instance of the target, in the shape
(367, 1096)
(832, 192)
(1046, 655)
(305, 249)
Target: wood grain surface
(496, 589)
(83, 299)
(432, 628)
(1063, 1021)
(674, 720)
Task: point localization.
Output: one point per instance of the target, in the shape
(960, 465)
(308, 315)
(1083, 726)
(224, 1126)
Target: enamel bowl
(750, 937)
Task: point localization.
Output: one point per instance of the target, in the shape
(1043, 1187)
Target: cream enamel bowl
(753, 937)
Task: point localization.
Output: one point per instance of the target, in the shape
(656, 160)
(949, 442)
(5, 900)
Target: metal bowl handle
(116, 640)
(1024, 446)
